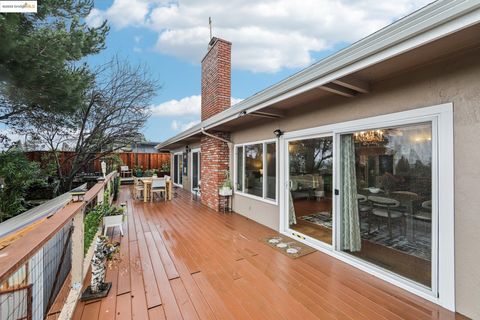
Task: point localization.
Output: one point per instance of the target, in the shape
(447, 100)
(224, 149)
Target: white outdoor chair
(159, 185)
(125, 172)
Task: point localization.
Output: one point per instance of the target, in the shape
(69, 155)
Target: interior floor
(402, 263)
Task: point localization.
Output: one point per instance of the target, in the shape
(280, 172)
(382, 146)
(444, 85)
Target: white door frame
(196, 150)
(443, 257)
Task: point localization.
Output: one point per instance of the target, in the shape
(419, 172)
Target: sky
(271, 39)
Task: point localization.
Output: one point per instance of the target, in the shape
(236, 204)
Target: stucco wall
(455, 80)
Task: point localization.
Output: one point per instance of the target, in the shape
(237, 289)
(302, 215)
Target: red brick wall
(215, 163)
(216, 75)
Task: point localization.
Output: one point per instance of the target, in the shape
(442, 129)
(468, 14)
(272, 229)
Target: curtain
(291, 210)
(350, 219)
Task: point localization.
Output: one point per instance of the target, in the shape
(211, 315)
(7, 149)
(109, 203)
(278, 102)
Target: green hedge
(93, 218)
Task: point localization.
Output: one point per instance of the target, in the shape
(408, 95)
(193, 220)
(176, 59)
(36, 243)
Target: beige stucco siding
(456, 80)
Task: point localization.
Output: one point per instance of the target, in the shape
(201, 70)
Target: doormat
(289, 247)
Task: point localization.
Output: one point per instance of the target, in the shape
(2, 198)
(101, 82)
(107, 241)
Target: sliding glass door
(177, 168)
(196, 171)
(386, 198)
(310, 176)
(368, 195)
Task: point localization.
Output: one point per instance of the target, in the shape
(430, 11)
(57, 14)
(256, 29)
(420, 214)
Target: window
(256, 169)
(271, 168)
(239, 170)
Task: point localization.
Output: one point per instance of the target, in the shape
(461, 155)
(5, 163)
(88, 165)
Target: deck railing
(34, 267)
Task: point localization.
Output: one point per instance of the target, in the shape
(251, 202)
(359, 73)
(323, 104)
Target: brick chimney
(216, 92)
(216, 78)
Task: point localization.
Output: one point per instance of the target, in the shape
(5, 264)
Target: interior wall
(454, 80)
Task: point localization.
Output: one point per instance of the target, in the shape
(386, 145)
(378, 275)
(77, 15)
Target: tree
(112, 113)
(40, 54)
(18, 174)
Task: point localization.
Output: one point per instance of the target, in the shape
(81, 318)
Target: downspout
(230, 149)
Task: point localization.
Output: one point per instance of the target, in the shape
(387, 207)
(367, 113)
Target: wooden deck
(180, 260)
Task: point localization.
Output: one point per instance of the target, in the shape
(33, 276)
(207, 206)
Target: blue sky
(271, 39)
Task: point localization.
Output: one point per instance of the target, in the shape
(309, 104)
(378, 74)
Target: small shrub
(116, 188)
(91, 224)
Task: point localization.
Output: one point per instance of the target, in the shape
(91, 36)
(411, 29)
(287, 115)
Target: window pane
(175, 169)
(271, 166)
(310, 165)
(195, 170)
(254, 169)
(180, 169)
(239, 169)
(386, 198)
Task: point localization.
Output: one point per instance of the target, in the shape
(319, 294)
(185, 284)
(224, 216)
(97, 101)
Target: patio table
(147, 182)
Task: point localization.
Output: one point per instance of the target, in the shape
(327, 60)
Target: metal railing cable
(34, 268)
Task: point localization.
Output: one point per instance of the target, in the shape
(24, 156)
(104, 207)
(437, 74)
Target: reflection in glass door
(310, 165)
(195, 170)
(386, 198)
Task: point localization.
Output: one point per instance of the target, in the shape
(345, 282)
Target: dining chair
(388, 209)
(364, 209)
(423, 214)
(159, 186)
(138, 187)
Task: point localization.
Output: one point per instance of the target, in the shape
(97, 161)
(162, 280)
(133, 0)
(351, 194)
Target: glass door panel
(310, 165)
(195, 170)
(175, 169)
(386, 198)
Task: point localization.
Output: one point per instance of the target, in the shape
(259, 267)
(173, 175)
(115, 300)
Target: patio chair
(125, 172)
(138, 187)
(387, 209)
(158, 186)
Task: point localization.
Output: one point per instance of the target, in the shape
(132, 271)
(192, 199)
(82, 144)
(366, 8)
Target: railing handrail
(93, 191)
(16, 254)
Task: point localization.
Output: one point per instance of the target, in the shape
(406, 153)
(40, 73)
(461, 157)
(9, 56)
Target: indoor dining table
(147, 183)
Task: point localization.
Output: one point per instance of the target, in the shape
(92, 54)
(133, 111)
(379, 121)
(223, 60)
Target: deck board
(181, 260)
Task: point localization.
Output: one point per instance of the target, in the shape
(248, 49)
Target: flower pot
(113, 220)
(224, 191)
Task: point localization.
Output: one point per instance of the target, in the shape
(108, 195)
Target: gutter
(230, 149)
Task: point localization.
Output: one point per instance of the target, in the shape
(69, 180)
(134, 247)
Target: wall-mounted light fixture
(278, 133)
(187, 149)
(243, 113)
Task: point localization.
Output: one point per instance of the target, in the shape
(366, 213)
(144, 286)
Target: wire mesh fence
(31, 290)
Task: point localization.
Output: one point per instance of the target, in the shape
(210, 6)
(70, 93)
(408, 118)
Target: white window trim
(263, 198)
(191, 167)
(441, 117)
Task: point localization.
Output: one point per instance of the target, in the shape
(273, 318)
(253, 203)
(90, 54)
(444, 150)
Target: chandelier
(369, 137)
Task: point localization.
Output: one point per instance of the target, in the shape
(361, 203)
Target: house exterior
(369, 155)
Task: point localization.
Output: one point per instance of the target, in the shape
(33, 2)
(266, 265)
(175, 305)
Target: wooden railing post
(77, 249)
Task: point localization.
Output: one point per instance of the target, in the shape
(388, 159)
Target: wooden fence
(131, 159)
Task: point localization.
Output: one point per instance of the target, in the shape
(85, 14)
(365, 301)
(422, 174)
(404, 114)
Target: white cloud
(188, 106)
(267, 35)
(182, 126)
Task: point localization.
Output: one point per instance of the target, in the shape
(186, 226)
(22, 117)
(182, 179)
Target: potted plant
(226, 189)
(113, 217)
